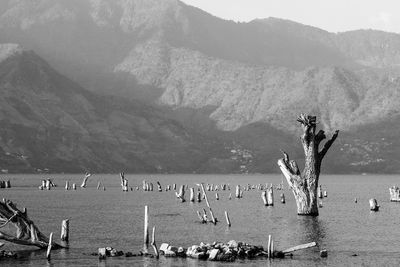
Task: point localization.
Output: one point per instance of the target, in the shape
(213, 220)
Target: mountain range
(160, 86)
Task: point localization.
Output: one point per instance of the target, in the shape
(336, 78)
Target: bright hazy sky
(330, 15)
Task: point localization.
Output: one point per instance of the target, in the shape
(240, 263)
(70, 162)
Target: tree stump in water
(304, 185)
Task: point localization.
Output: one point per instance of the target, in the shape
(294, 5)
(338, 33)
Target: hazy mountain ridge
(244, 77)
(50, 122)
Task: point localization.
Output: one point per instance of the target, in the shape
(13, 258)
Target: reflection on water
(311, 229)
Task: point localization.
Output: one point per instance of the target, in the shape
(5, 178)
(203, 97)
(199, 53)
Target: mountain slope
(49, 122)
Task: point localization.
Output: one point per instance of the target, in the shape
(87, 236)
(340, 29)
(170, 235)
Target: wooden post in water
(320, 192)
(66, 185)
(208, 204)
(270, 196)
(269, 247)
(283, 198)
(325, 194)
(174, 186)
(264, 197)
(87, 175)
(48, 184)
(159, 186)
(237, 194)
(216, 196)
(373, 204)
(49, 246)
(201, 217)
(98, 185)
(153, 243)
(65, 230)
(198, 196)
(146, 230)
(228, 221)
(191, 194)
(74, 186)
(181, 194)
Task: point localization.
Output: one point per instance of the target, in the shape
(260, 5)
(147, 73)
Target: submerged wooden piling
(65, 230)
(191, 194)
(283, 198)
(49, 246)
(146, 230)
(264, 198)
(228, 221)
(153, 243)
(208, 204)
(237, 194)
(201, 217)
(66, 185)
(270, 196)
(373, 204)
(74, 186)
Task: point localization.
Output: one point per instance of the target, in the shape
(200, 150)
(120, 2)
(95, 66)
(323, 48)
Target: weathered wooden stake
(87, 175)
(230, 196)
(198, 197)
(49, 246)
(237, 194)
(269, 247)
(216, 196)
(373, 204)
(146, 230)
(65, 230)
(283, 198)
(181, 194)
(191, 194)
(66, 185)
(208, 204)
(264, 197)
(153, 243)
(74, 186)
(320, 192)
(228, 221)
(159, 186)
(270, 196)
(98, 185)
(201, 217)
(325, 194)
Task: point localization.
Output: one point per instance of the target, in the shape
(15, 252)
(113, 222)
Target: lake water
(349, 231)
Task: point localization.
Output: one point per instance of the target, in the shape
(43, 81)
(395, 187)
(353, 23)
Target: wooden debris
(299, 247)
(27, 232)
(208, 204)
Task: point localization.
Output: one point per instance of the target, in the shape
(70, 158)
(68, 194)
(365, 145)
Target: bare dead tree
(27, 233)
(304, 185)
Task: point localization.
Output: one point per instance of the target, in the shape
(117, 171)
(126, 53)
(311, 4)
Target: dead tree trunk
(304, 185)
(27, 233)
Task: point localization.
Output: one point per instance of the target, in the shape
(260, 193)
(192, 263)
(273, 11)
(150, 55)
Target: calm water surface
(350, 232)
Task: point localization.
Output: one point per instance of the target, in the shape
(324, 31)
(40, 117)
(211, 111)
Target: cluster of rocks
(217, 251)
(7, 254)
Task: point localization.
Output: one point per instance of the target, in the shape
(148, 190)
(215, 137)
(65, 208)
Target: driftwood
(304, 185)
(299, 247)
(27, 232)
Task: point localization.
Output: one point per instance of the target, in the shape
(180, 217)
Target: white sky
(330, 15)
